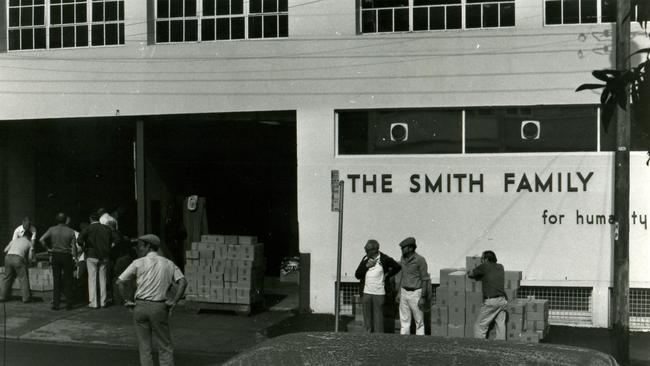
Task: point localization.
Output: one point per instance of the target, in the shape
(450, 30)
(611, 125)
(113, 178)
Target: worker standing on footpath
(414, 286)
(491, 275)
(154, 275)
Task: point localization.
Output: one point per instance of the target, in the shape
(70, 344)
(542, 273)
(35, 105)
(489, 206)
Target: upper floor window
(580, 11)
(40, 24)
(380, 16)
(181, 20)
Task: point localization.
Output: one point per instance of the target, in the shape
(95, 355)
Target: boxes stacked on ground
(459, 300)
(40, 278)
(225, 269)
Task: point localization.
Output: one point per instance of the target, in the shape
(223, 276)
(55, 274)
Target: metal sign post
(337, 205)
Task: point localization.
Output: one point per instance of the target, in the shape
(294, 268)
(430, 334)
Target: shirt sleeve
(424, 270)
(16, 233)
(129, 272)
(33, 230)
(177, 273)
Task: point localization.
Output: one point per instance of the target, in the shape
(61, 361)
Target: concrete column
(601, 305)
(140, 176)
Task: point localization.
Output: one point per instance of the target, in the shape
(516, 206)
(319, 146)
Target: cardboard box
(472, 285)
(457, 315)
(511, 294)
(457, 280)
(456, 331)
(444, 276)
(512, 275)
(440, 315)
(516, 307)
(536, 325)
(472, 262)
(515, 324)
(206, 254)
(216, 239)
(221, 251)
(457, 298)
(247, 240)
(439, 330)
(234, 251)
(442, 296)
(192, 254)
(473, 298)
(230, 239)
(251, 252)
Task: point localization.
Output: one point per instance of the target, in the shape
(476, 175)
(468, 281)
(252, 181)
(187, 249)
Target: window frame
(246, 14)
(599, 14)
(50, 28)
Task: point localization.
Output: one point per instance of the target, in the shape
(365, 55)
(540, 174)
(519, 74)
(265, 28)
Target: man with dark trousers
(494, 305)
(154, 275)
(375, 271)
(62, 245)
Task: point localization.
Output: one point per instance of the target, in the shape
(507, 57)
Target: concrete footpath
(222, 334)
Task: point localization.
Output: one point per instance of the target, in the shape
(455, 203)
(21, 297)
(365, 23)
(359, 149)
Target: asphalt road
(26, 353)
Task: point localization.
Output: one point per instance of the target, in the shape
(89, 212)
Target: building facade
(456, 122)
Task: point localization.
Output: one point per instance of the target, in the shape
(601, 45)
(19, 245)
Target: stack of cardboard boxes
(40, 278)
(459, 300)
(225, 269)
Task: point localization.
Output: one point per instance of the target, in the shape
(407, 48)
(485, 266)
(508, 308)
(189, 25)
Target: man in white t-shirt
(375, 271)
(25, 227)
(154, 275)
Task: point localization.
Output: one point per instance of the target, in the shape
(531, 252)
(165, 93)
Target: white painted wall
(324, 66)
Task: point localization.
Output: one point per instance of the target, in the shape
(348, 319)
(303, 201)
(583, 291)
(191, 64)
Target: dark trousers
(373, 312)
(15, 266)
(152, 329)
(62, 275)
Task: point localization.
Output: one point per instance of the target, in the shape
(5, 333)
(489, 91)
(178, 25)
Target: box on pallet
(472, 262)
(247, 240)
(444, 276)
(442, 296)
(457, 280)
(456, 331)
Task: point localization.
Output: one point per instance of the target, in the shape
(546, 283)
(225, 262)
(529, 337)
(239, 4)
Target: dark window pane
(55, 1)
(176, 31)
(55, 37)
(473, 16)
(207, 29)
(437, 18)
(14, 39)
(39, 2)
(111, 11)
(39, 38)
(68, 14)
(284, 26)
(81, 13)
(490, 15)
(384, 3)
(82, 36)
(68, 1)
(270, 26)
(507, 15)
(68, 37)
(26, 2)
(429, 132)
(55, 15)
(420, 19)
(223, 28)
(283, 6)
(237, 6)
(368, 21)
(223, 7)
(26, 17)
(14, 17)
(121, 33)
(254, 27)
(553, 12)
(162, 32)
(97, 35)
(435, 2)
(162, 9)
(255, 6)
(588, 12)
(191, 30)
(571, 11)
(121, 10)
(454, 17)
(385, 21)
(39, 15)
(208, 7)
(190, 8)
(14, 3)
(175, 8)
(401, 20)
(26, 39)
(111, 34)
(270, 6)
(98, 12)
(237, 28)
(608, 10)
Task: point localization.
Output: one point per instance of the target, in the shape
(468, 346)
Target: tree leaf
(589, 86)
(606, 75)
(643, 50)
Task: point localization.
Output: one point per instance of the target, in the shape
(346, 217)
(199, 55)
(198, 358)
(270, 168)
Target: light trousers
(151, 321)
(408, 308)
(493, 309)
(96, 267)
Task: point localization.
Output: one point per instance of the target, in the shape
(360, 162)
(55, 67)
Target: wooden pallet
(239, 309)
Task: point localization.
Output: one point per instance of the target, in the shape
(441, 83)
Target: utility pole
(621, 290)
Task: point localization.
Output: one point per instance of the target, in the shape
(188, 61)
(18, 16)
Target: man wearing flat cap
(414, 285)
(375, 271)
(154, 275)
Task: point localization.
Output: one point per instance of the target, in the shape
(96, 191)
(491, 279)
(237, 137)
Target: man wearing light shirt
(154, 275)
(19, 252)
(25, 227)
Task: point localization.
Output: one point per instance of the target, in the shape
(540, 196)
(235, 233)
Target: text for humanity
(471, 182)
